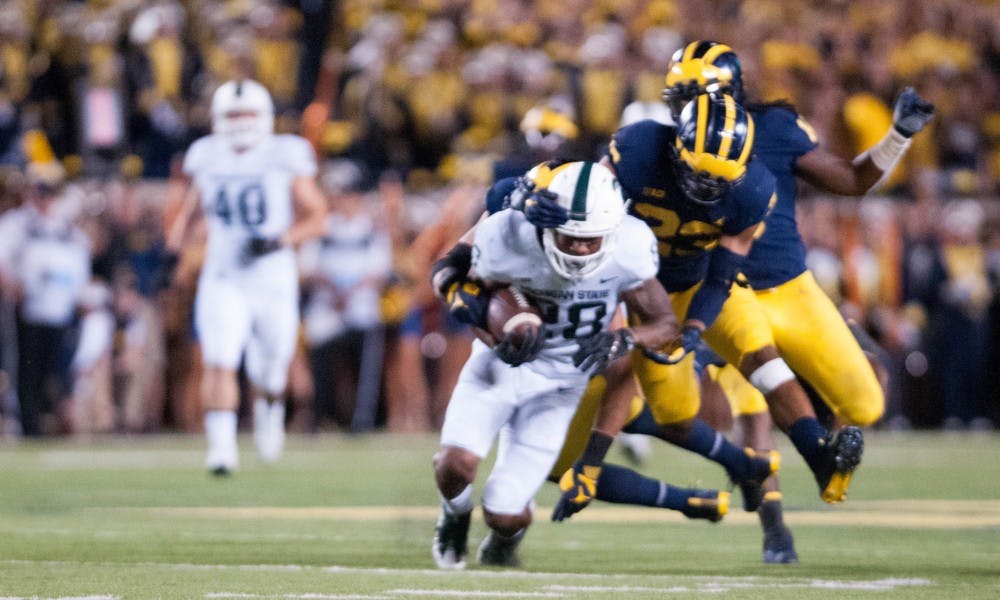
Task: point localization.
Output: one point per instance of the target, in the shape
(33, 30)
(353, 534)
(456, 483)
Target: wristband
(889, 149)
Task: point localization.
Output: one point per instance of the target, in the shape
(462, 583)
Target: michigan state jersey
(246, 194)
(508, 249)
(644, 158)
(779, 254)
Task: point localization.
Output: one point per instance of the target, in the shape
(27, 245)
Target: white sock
(261, 431)
(460, 504)
(220, 432)
(276, 424)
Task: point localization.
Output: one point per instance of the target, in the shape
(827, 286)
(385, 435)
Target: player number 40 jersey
(246, 194)
(507, 249)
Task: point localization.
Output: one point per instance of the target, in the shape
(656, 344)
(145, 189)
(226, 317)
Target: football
(511, 316)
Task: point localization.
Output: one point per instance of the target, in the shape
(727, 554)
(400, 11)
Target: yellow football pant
(814, 340)
(672, 391)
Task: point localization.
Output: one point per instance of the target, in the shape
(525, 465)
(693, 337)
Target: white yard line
(696, 582)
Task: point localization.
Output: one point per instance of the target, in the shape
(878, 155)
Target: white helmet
(593, 197)
(243, 112)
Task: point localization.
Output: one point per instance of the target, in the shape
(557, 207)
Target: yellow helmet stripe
(689, 50)
(714, 53)
(699, 140)
(747, 143)
(545, 175)
(726, 141)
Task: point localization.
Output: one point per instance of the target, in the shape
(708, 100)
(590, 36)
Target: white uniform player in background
(576, 275)
(257, 194)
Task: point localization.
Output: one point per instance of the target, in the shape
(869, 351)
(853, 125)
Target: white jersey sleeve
(497, 251)
(298, 156)
(636, 253)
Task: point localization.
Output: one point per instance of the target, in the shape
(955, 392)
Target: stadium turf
(352, 517)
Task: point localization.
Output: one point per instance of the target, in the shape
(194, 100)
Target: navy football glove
(911, 113)
(468, 302)
(579, 486)
(540, 206)
(597, 351)
(526, 351)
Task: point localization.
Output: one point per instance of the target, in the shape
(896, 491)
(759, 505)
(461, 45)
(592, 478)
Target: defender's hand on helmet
(911, 113)
(540, 206)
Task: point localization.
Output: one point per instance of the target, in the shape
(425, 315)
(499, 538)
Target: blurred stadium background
(411, 106)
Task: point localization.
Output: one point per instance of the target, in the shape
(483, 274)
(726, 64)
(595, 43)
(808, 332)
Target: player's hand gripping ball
(516, 326)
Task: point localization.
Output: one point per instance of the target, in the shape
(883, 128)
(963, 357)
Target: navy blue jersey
(643, 157)
(779, 255)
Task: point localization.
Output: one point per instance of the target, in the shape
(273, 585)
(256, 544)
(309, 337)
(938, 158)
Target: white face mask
(244, 130)
(575, 266)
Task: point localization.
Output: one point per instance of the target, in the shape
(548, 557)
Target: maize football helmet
(702, 67)
(242, 112)
(593, 198)
(714, 141)
(549, 124)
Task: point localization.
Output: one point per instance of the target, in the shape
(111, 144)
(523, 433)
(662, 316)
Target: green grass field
(352, 517)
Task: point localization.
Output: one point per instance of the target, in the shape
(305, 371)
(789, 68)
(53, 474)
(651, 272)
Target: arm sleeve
(723, 266)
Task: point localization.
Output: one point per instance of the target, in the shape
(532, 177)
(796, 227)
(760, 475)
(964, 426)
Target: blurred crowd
(414, 107)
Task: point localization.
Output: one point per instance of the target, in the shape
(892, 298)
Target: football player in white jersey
(575, 275)
(257, 194)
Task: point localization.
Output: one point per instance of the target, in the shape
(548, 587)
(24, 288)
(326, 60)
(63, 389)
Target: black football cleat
(220, 471)
(451, 538)
(779, 547)
(499, 551)
(763, 465)
(707, 504)
(844, 449)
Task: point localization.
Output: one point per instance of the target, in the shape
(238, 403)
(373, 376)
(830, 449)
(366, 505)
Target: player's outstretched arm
(724, 264)
(855, 178)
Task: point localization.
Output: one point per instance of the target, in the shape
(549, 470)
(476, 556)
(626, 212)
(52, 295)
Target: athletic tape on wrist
(770, 375)
(889, 149)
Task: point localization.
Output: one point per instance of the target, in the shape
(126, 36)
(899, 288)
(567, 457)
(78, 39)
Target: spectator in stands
(958, 325)
(46, 265)
(344, 273)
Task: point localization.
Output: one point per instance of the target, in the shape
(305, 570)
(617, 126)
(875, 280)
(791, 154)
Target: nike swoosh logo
(607, 279)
